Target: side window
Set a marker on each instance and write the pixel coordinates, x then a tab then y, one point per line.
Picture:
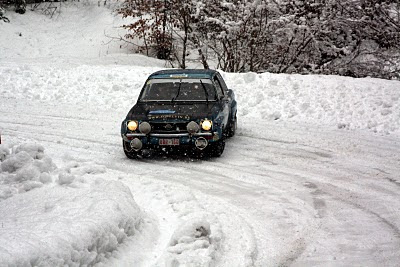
218	87
223	84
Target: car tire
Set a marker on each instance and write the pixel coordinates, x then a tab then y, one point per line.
130	154
216	149
232	127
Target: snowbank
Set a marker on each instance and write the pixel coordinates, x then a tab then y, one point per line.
54	217
191	244
23	168
341	102
108	87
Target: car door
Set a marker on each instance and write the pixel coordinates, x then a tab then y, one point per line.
224	101
231	97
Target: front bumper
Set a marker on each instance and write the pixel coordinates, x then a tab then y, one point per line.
184	138
160	135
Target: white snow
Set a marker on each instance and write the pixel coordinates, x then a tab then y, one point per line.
343	102
23	169
310	179
340	102
79	219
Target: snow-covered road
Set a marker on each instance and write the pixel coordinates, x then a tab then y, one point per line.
282	193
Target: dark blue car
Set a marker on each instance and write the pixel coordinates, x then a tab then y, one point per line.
189	109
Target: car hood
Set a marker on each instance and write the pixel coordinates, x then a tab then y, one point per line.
179	111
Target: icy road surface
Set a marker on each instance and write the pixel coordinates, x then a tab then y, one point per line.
281	194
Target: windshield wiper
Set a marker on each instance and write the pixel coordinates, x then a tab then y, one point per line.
179	91
205	90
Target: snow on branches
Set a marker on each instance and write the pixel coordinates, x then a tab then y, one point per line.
347	37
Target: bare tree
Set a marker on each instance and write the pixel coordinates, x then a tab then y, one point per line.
347	37
150	25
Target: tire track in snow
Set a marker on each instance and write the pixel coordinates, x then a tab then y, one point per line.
288	165
60	136
251	250
291	258
349	195
232	246
242	195
320	203
370	231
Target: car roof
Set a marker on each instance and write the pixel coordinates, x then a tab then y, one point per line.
183	73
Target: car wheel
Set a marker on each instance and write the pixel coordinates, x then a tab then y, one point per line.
232	127
129	153
216	149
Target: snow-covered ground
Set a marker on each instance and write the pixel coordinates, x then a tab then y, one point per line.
312	177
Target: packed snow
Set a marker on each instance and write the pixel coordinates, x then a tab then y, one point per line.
23	169
311	178
69	216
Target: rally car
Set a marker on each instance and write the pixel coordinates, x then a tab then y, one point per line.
190	109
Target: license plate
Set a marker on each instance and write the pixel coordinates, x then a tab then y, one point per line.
169	142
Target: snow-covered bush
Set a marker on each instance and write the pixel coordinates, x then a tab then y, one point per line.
19	5
2	14
354	38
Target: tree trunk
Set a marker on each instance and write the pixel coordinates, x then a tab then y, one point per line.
201	54
203	59
184	48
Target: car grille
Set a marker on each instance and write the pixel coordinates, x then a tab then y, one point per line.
164	127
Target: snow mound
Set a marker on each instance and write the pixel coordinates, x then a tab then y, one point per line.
23	168
97	86
341	102
191	244
196	237
73	217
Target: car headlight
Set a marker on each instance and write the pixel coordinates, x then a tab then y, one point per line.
145	127
132	125
192	127
206	125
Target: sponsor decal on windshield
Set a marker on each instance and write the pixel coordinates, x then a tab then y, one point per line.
177	76
169	116
162	111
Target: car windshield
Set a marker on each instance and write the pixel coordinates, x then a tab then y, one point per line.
178	90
